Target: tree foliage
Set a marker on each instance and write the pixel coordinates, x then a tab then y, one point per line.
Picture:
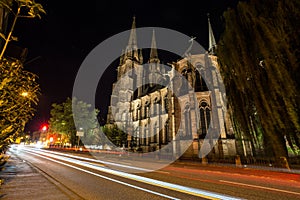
19	90
259	58
24	9
115	135
62	120
19	93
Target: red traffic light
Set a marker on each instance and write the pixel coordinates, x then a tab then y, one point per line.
44	127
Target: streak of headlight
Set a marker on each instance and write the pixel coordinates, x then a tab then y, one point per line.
171	186
99	161
107	178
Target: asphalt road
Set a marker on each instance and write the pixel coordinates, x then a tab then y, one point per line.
89	178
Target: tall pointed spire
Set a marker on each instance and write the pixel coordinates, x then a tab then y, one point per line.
153	52
122	57
131	51
132	38
212	42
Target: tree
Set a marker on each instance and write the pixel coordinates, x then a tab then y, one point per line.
259	58
24	9
19	90
62	120
19	93
115	135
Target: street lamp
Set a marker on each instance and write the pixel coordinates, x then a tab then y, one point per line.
79	134
24	94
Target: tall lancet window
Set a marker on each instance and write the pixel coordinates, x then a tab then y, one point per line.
138	112
184	82
187	121
155	132
155	107
166	102
146	135
200	85
205	118
167	136
147	111
136	115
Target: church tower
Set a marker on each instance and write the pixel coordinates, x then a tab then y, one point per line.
130	71
131	57
155	69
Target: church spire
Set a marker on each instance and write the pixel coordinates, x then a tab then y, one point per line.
153	53
131	51
132	38
212	41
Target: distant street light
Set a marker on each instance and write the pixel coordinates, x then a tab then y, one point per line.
24	94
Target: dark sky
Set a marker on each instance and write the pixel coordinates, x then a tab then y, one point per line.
59	42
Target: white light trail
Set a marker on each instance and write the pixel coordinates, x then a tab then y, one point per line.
260	187
107	178
99	161
157	183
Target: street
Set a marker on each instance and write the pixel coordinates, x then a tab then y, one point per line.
88	178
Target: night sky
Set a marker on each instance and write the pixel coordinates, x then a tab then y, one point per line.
59	42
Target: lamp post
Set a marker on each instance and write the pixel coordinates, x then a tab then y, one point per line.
79	134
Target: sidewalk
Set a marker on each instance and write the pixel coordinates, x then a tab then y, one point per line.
23	181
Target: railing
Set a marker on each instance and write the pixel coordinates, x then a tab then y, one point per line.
257	162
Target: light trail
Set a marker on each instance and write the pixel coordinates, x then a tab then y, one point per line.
98	161
157	183
104	177
260	187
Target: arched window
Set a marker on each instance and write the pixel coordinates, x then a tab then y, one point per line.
166	102
143	135
136	133
146	135
184	82
138	111
200	85
143	112
155	132
147	112
187	121
155	107
167	132
205	118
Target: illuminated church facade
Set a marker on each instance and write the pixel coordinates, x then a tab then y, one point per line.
152	114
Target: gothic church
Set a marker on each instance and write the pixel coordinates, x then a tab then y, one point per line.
194	117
